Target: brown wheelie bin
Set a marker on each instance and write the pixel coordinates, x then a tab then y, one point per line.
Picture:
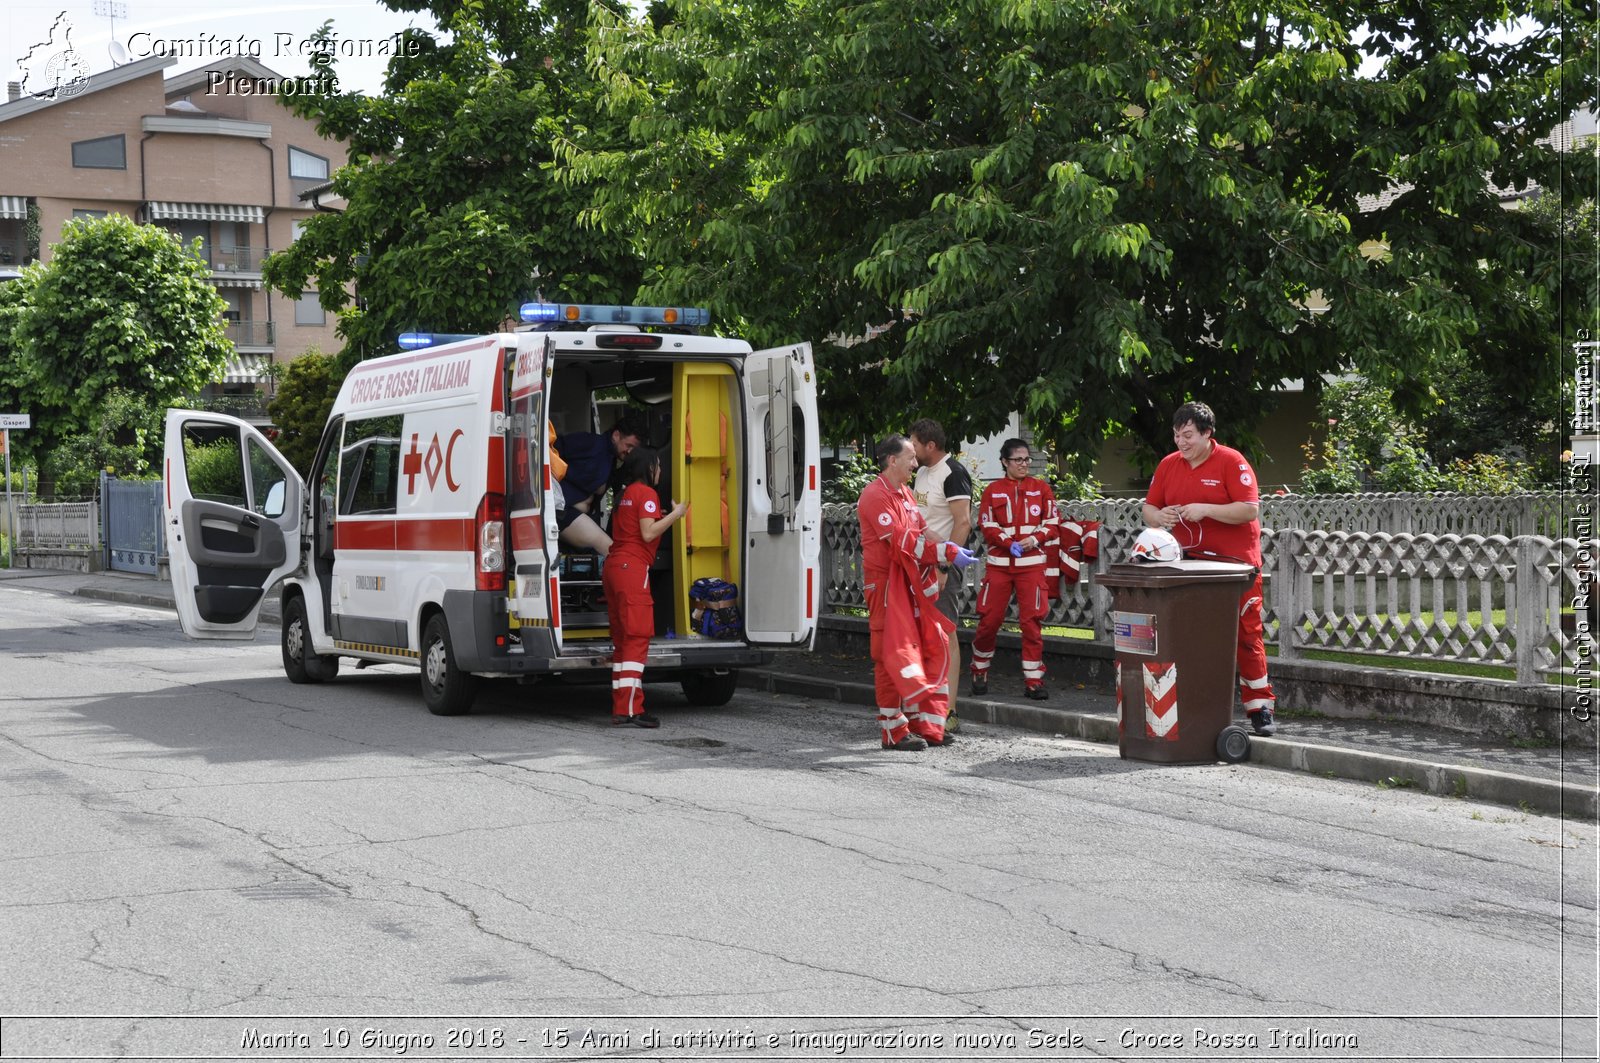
1175	632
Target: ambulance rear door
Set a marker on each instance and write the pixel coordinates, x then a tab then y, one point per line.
232	521
536	601
783	509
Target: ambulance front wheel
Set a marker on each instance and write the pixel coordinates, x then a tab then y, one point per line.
447	690
300	664
710	689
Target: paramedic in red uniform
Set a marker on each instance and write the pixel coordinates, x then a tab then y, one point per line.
1205	494
910	637
636	529
1017	515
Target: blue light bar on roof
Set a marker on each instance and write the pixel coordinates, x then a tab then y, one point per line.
596	314
414	341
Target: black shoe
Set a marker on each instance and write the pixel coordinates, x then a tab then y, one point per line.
910	744
642	719
1262	722
947	740
1036	692
980	684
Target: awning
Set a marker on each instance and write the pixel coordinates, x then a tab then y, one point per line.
246	369
163	211
13	206
235	280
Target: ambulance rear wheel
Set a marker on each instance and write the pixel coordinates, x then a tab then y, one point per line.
710	689
300	664
446	689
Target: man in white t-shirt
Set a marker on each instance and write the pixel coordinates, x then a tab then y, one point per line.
943	490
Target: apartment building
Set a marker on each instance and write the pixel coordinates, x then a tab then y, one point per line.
210	153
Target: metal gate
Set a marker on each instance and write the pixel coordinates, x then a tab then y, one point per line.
134	539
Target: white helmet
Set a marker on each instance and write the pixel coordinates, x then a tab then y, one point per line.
1154	544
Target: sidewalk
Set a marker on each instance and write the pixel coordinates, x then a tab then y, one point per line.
1447	763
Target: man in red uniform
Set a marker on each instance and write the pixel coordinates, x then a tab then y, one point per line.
1017	515
1205	494
910	636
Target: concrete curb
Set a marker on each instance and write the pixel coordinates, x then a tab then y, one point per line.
1359	765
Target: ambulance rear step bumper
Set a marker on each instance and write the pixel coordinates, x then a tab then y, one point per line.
662	660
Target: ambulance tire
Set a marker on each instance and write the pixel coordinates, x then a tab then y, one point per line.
710	689
446	689
300	664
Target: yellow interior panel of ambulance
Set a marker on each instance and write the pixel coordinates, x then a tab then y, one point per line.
692	415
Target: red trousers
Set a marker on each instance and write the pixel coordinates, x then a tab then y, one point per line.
1255	693
1033	601
632	612
906	706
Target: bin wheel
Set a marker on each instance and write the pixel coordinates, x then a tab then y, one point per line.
1233	744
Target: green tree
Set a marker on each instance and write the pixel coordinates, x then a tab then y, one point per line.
452	218
1369	444
306	391
119	307
1094	212
123	437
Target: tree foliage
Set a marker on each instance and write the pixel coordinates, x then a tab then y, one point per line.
453	218
306	391
119	308
1369	444
1094	212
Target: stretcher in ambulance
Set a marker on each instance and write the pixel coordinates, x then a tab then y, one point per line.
427	535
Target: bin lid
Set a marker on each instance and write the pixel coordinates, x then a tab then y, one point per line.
1174	573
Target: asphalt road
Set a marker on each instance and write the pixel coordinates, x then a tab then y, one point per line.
201	859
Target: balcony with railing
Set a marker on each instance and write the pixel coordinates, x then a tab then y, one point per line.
240	266
250	335
13	253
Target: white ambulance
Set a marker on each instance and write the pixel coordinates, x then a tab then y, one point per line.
427	533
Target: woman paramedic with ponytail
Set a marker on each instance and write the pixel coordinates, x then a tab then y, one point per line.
636	528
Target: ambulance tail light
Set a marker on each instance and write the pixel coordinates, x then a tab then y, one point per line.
490	527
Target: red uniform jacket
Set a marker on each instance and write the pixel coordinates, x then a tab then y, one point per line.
1015	509
899	565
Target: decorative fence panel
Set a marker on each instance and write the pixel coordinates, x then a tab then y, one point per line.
1471	599
59	524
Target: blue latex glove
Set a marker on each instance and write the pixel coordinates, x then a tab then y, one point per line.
962	557
1016	549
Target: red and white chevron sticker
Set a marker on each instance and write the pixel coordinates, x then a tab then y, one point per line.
1161	700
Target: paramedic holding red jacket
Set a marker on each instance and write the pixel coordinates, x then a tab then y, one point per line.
1206	495
900	573
1017	515
636	529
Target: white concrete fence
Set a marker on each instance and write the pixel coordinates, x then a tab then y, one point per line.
1471	580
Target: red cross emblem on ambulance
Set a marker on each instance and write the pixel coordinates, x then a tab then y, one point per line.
431	463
